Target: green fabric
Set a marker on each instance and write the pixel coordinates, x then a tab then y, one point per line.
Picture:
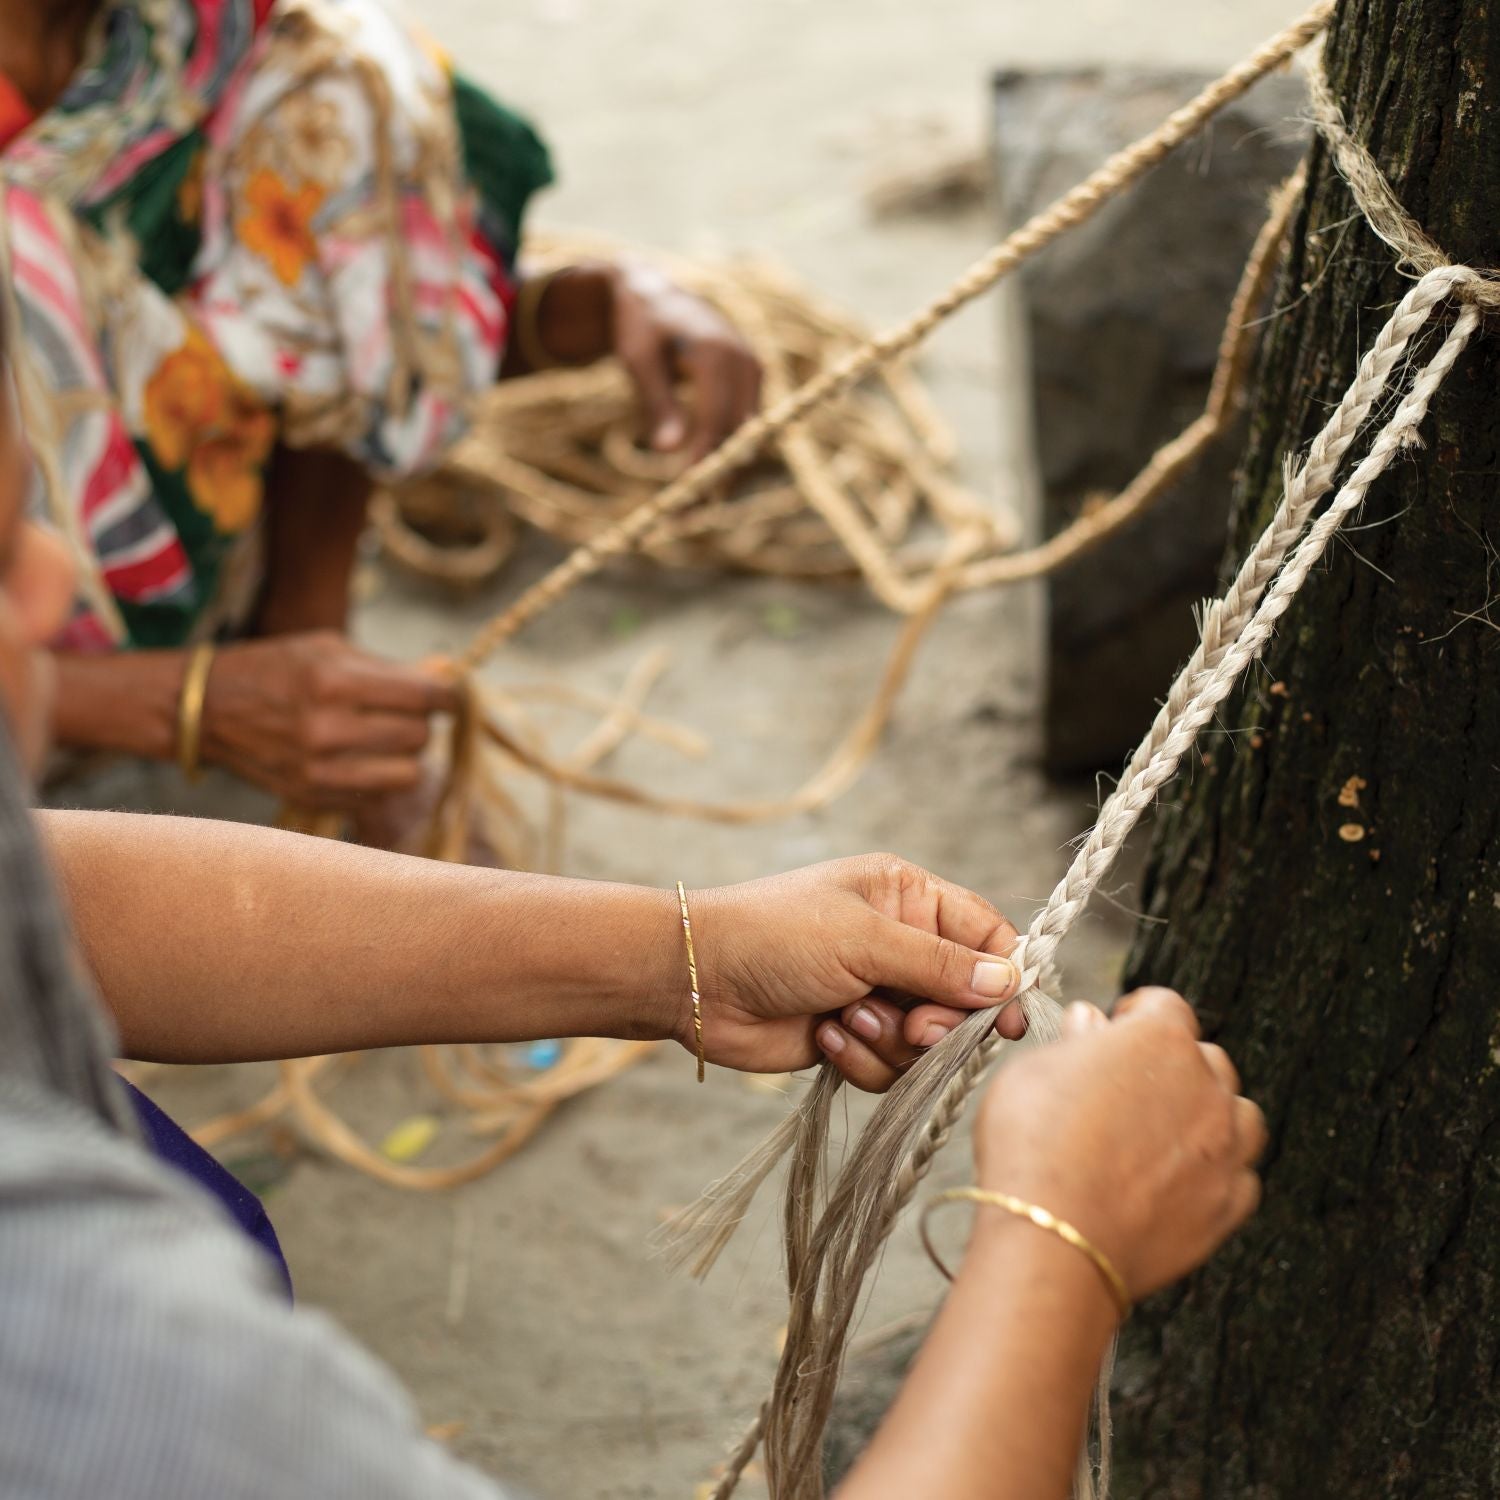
151	208
504	158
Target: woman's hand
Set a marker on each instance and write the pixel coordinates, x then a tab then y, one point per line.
666	337
791	967
696	378
319	722
1132	1130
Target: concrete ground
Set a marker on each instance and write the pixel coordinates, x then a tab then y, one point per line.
526	1308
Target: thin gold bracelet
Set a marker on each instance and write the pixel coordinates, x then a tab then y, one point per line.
692	958
1043	1219
190	710
525	323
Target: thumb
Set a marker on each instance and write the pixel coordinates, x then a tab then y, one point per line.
1080	1018
936	968
440	667
649	368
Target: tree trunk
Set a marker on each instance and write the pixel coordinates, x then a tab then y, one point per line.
1329	876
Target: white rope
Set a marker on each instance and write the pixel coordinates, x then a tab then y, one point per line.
1236	631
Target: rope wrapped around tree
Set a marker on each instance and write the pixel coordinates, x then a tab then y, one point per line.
833	1238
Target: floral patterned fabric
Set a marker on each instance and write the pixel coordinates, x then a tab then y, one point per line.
246	223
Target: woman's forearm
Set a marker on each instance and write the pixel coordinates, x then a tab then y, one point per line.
574	320
316	502
122	701
994	1408
216	942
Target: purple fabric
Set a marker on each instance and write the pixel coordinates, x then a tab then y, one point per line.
173	1144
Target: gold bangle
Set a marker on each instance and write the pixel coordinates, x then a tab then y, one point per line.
1043	1220
692	958
525	322
190	710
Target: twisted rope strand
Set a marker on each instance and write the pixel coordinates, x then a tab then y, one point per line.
1068	212
1416	251
868	1197
695	1237
1303	491
872	1188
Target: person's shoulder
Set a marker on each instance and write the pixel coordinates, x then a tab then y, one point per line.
338	95
147	1354
327	45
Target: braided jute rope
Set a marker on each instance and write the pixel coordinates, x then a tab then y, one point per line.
915	1121
1068	212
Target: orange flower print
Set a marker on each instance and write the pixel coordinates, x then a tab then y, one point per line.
184	397
190	191
200	418
276	223
226	474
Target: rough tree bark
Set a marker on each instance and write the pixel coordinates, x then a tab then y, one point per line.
1329	876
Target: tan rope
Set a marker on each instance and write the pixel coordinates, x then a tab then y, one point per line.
1071	210
469	785
914	1122
1417	252
841	495
1174	458
835	775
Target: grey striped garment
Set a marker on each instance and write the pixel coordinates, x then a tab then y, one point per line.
145	1351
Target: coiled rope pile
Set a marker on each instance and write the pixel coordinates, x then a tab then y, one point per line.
846	493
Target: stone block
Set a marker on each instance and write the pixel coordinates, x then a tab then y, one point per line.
1123	319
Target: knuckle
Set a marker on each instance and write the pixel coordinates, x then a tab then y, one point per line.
404	776
319	731
893	867
1222	1064
1217	1132
325	678
952	963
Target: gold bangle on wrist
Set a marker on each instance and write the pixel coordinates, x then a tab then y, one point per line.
692	958
1043	1219
190	710
525	322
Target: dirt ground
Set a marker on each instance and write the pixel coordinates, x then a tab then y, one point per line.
526	1307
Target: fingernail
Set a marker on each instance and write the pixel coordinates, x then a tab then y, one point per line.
669	433
994	977
866	1023
934	1034
831	1040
